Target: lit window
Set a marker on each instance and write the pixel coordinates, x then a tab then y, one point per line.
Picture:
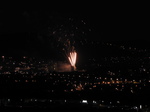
84	101
118	101
94	101
8	100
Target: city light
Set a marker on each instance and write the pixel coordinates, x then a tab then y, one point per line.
84	101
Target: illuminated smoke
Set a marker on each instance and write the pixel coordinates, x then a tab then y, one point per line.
72	59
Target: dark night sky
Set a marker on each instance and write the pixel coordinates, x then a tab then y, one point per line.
109	23
21	27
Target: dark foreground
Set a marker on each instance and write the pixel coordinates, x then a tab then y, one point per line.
66	108
76	91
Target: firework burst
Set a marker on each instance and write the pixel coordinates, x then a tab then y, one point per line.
72	59
63	33
70	53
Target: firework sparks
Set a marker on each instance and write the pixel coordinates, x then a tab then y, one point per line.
63	34
72	59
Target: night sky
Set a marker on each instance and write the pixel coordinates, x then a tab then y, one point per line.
87	57
28	30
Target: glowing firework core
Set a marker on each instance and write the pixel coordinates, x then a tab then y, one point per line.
72	58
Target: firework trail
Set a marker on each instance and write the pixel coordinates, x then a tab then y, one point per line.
72	58
70	53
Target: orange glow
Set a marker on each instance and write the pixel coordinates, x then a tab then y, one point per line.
108	82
